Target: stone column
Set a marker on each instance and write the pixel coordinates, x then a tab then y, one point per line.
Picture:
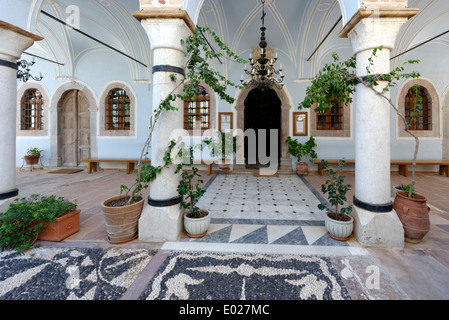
161	218
376	223
13	42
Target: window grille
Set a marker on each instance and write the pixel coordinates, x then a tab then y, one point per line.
118	110
332	119
421	102
197	111
32	111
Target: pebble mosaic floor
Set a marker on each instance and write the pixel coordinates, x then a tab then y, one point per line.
264	210
202	276
70	274
245	210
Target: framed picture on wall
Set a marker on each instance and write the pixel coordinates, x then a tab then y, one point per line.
300	122
225	121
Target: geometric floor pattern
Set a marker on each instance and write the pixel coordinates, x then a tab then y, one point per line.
203	276
246	209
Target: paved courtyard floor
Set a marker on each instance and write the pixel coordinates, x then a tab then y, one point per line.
267	241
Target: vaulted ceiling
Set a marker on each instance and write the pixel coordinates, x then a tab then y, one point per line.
108	21
294	29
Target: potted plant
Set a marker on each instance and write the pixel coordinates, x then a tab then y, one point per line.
196	220
413	211
223	146
122	218
130	202
411	207
403	187
299	151
338	221
32	156
336	83
37	217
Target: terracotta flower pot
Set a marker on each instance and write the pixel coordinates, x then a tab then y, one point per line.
31	160
414	215
223	165
122	221
62	227
302	168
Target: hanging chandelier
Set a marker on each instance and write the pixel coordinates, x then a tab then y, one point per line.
263	74
25	75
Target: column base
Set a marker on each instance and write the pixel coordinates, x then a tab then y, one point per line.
159	224
10	194
378	229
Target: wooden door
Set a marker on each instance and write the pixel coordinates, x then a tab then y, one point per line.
74	129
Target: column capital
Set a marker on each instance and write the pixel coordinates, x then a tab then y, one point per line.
165	13
376	13
14	41
371	29
166	28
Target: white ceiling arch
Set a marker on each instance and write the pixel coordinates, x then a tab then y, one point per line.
294	30
348	8
108	21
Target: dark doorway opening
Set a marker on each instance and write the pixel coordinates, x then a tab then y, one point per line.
262	114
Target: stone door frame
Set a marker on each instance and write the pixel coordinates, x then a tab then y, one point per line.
286	107
55	159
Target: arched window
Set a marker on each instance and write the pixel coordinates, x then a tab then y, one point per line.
197	112
32	110
418	102
118	110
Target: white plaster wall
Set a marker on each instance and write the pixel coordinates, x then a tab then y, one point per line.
95	70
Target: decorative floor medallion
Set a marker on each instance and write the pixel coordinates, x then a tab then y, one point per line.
201	276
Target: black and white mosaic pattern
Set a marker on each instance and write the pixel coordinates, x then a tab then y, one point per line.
280	210
202	276
243	196
69	274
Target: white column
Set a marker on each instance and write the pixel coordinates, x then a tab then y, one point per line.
161	218
13	42
376	223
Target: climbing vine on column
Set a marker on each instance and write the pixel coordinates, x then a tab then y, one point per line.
200	54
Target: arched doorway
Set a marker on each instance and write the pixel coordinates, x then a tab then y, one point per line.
263	117
74	142
285	126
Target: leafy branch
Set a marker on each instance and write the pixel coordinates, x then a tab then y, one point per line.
336	83
336	190
199	53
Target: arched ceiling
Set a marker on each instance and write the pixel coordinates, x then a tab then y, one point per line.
109	21
294	29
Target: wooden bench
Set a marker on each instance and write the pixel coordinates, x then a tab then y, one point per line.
329	161
93	164
402	164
